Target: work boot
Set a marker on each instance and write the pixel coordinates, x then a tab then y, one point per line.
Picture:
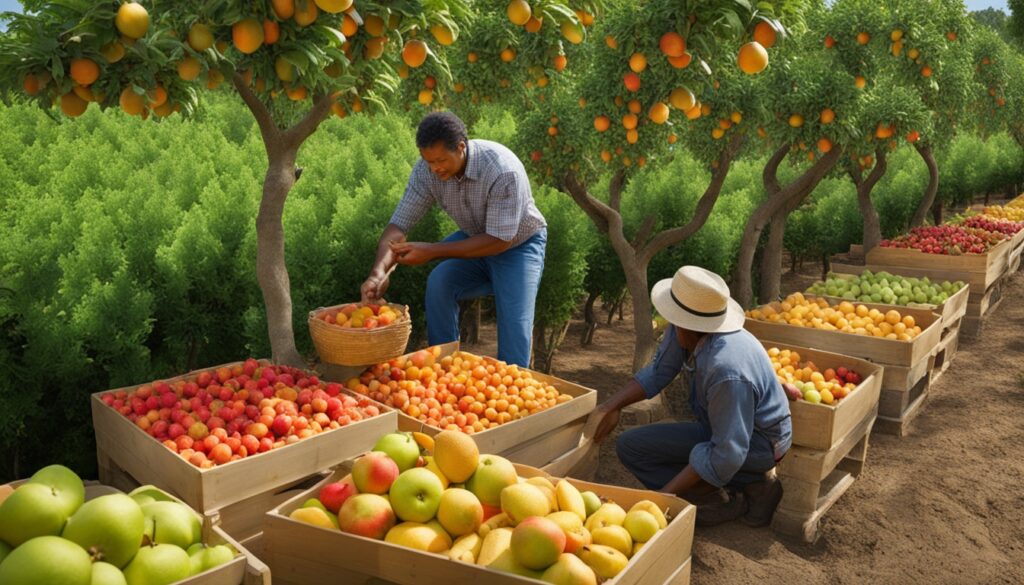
762	499
719	506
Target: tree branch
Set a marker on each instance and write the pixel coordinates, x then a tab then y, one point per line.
645	232
770	177
855	172
881	163
932	190
268	127
311	121
598	212
615	189
705	205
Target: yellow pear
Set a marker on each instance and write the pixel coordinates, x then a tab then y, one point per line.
641	525
457	455
431	464
570	499
497	542
500	520
314	516
609	514
548	489
576	536
522	500
429	537
636	548
616	537
604	560
655	511
569	570
466	548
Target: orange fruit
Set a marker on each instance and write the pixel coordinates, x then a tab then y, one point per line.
333	6
602	123
672	44
348	26
824	145
414	53
374	25
682	99
189	68
425	97
631	81
863	38
533	25
213	79
297	94
508	55
765	34
112	52
72	105
284	69
694	112
629	121
829	42
827	116
132	20
283	9
796	120
611	42
200	37
634	106
157	96
632	136
131	102
32	84
681	62
84	71
753	58
913	136
860	82
926	71
518	12
552	131
271	32
638	62
560	62
572	32
717	133
308	16
442	34
658	113
374	47
883	131
247	34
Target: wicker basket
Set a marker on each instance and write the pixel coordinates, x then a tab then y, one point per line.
360	347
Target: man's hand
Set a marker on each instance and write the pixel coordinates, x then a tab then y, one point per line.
412	253
375	286
606	418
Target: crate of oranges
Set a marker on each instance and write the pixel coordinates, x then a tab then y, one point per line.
879	333
527	416
360	334
830	394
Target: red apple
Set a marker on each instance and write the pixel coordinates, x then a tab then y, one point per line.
333	495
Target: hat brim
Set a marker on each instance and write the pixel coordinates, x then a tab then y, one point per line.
731	320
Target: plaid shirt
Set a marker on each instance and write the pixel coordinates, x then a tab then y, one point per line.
492	197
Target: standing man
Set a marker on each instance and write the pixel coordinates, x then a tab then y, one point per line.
499	248
725	461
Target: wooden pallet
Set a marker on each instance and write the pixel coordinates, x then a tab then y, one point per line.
814	480
978	312
911	404
945	352
979	270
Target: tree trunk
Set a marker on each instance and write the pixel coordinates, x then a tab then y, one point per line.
589	320
872	223
929	193
937	212
771	260
778	198
613	308
643	328
826	266
545	345
794	260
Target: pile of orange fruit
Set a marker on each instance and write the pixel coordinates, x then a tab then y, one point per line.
461	391
355	316
846	317
814	385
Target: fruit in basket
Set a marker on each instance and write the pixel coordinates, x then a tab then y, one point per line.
493	474
416	495
576	536
1007	212
374	473
994	224
457	392
370	316
818	313
315	516
547	488
522	500
32	511
616	537
651	508
606	561
609	514
430	463
887	288
219	416
537	542
641	525
171	523
46	560
109	527
569	569
592	502
953	240
456	455
803	380
202	558
366	515
460	512
158	565
333	495
429	537
570	499
66	485
401	448
106	574
466	548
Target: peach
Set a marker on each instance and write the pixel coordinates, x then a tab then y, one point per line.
368	515
374	473
537	542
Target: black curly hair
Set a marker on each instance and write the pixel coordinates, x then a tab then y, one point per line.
444	127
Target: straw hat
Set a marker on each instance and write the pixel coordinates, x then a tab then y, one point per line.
698	300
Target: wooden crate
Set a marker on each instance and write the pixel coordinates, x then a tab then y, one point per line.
945	352
951	311
122	444
877	349
897	410
580	462
532	440
813	481
244	569
980	308
682	576
820	426
979	270
301	554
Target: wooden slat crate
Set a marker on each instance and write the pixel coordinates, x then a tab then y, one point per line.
820	426
903	407
945	352
979	270
299	553
123	446
532	440
814	480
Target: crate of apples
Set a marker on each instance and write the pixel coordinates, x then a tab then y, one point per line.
952	240
803	380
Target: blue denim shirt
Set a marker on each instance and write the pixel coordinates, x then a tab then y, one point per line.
733	393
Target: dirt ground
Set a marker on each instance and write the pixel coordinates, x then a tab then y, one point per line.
942	505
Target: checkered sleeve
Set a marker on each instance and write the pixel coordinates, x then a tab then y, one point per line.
506	205
415	202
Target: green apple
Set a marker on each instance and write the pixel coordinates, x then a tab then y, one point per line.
202	558
416	495
107	574
68	487
401	448
162	564
493	474
109	528
591	501
47	560
32	510
5	549
171	523
143	499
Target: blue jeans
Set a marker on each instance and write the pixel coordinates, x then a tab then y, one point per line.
657	453
513	277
